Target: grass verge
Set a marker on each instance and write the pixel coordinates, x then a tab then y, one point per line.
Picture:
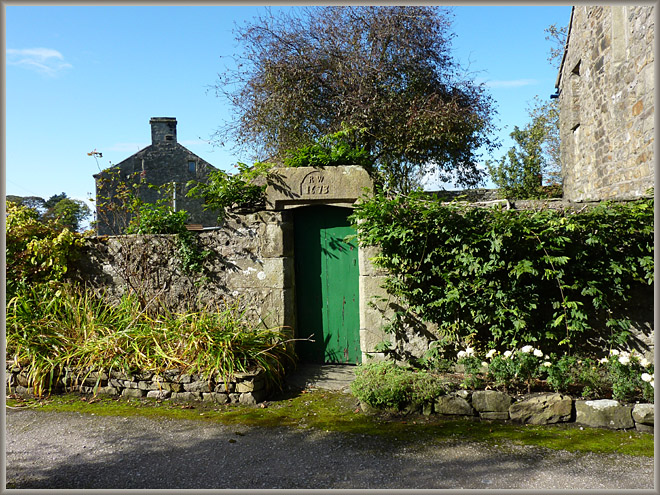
337	412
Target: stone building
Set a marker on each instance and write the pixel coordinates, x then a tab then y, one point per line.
606	99
165	161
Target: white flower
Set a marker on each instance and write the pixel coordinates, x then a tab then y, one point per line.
547	364
507	354
644	362
484	363
490	354
603	360
623	359
614	352
469	351
652	383
538	353
646	377
461	354
527	348
546	357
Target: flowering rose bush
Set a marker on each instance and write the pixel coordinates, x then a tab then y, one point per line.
626	373
629	374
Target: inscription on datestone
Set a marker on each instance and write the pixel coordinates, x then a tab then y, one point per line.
314	184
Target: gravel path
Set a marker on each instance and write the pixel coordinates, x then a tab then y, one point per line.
73	450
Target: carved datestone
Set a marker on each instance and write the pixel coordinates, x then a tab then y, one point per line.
291	187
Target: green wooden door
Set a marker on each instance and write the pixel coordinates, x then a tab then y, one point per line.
326	286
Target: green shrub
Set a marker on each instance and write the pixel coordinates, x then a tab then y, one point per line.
502	371
562	372
339	148
37	252
158	219
386	385
625	370
591	377
471	368
240	190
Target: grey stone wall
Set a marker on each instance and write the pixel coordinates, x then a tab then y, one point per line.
606	98
536	409
249	262
244	388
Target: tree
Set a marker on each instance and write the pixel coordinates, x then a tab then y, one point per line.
545	115
68	213
34	202
556	36
305	73
518	173
534	160
58	208
54	199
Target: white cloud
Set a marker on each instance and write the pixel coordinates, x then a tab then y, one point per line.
43	60
514	83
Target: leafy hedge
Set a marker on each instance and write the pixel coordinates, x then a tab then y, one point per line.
500	277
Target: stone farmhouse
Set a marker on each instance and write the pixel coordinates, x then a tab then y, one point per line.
606	89
165	161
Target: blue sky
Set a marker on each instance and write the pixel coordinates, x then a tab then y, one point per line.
80	78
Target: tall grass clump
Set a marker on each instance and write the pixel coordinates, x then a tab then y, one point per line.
49	329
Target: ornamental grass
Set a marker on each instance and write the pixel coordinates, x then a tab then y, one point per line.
50	329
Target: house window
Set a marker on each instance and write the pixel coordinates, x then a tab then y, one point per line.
192	167
169	137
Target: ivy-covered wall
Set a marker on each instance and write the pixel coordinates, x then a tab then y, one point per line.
569	276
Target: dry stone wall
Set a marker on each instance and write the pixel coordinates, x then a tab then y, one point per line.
243	388
537	409
606	97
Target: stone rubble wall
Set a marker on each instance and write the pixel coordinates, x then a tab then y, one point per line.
606	99
249	263
538	409
244	388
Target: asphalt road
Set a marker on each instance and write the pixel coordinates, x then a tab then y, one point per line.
58	450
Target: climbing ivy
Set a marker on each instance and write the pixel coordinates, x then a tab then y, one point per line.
501	277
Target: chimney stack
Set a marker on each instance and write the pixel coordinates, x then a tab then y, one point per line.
163	130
